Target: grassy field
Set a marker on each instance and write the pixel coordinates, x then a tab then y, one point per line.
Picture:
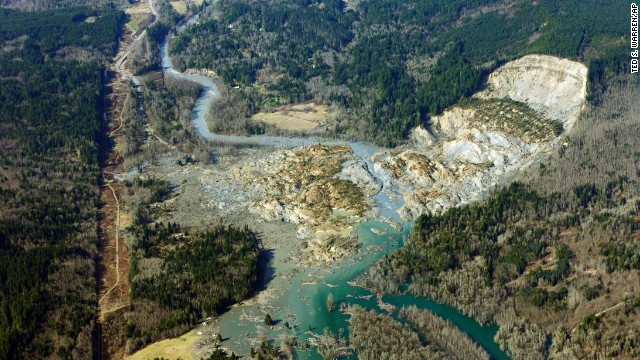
141	8
176	348
297	118
135	20
179	6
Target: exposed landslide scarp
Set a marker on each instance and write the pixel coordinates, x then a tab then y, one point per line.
483	141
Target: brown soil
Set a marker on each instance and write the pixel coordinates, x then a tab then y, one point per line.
113	328
113	264
114	286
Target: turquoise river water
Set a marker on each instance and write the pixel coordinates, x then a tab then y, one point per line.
318	317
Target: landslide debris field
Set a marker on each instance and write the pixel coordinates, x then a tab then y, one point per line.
305	202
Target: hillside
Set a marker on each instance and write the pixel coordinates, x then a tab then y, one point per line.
488	138
497	183
39	5
386	66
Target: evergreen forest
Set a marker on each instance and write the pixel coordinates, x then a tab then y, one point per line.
51	83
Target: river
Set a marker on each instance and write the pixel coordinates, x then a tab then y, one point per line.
390	240
301	299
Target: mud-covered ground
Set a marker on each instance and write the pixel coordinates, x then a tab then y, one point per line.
292	198
205	195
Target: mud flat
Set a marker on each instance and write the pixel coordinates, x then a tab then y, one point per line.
206	195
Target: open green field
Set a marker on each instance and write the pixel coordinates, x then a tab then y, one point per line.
179	6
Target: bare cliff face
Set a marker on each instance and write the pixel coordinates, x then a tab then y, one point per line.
486	140
555	87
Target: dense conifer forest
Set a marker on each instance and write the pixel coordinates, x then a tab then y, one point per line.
51	81
39	5
180	277
391	65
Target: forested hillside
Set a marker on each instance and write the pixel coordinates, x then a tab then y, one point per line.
50	93
421	335
390	65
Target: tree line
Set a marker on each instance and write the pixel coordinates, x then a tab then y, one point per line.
532	256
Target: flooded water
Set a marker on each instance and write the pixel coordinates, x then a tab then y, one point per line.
317	316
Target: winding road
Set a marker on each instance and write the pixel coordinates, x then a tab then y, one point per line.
361	150
127	52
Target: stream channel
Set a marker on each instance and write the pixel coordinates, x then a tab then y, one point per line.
300	297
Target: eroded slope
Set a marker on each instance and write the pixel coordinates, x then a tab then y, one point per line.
485	140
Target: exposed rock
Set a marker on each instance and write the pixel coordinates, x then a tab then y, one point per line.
309	186
306	186
421	137
484	141
553	86
470	148
465	151
358	173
